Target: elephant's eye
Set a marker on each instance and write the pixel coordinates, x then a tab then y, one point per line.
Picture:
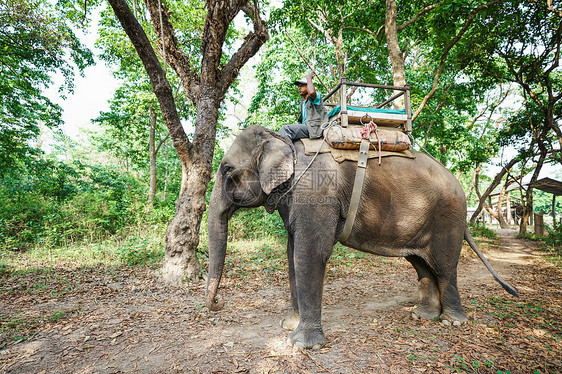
226	168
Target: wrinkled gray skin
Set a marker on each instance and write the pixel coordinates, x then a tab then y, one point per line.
411	208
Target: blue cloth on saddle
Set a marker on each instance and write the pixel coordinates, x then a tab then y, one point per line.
337	109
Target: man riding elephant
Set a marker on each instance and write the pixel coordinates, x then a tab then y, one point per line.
312	113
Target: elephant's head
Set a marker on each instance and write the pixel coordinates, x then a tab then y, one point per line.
258	161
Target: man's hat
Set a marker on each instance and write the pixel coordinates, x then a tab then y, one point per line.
301	82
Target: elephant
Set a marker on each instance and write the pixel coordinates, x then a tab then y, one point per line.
411	208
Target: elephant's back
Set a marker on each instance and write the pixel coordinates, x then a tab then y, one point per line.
419	181
396	178
404	202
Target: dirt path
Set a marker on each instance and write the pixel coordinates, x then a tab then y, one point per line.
122	321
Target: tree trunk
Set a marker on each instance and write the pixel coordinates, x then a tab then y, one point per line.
182	237
501	220
394	51
490	189
527	202
152	151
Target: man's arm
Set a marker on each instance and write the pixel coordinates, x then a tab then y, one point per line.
310	86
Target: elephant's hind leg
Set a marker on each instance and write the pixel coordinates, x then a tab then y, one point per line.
453	312
443	259
429	304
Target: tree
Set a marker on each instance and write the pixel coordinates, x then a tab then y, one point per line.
386	42
36	41
134	131
205	82
523	47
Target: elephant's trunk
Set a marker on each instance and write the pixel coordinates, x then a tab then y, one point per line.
218	232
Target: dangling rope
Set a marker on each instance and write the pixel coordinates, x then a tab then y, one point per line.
162	35
366	131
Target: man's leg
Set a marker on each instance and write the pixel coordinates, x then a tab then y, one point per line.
294	132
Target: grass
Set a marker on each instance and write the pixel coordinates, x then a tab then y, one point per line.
483	232
263	258
137	247
22	325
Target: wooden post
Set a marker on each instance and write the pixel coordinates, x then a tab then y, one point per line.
539	225
343	102
553	210
408	109
491	207
508	202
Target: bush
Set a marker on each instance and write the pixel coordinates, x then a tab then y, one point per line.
255	223
137	251
554	238
482	231
54	203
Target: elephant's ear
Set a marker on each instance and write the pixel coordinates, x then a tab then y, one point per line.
276	163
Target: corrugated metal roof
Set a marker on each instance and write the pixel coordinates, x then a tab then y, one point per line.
545	184
549	185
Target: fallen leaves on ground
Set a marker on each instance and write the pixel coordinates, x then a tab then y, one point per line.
122	320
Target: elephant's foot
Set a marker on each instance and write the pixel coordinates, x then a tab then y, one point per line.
454	318
290	322
425	312
307	338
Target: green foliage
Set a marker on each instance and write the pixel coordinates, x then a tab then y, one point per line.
482	231
464	366
255	223
542	201
554	238
138	251
54	203
35	43
449	127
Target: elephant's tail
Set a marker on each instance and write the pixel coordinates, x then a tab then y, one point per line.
509	288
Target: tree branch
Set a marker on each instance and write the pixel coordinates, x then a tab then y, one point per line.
161	142
336	41
252	43
549	7
174	56
160	85
494	184
220	14
372	33
435	85
488	107
420	13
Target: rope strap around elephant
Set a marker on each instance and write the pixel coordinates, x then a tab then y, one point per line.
357	190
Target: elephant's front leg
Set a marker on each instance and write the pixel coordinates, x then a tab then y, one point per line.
291	321
311	253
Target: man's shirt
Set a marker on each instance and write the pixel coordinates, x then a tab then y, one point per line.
316	101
